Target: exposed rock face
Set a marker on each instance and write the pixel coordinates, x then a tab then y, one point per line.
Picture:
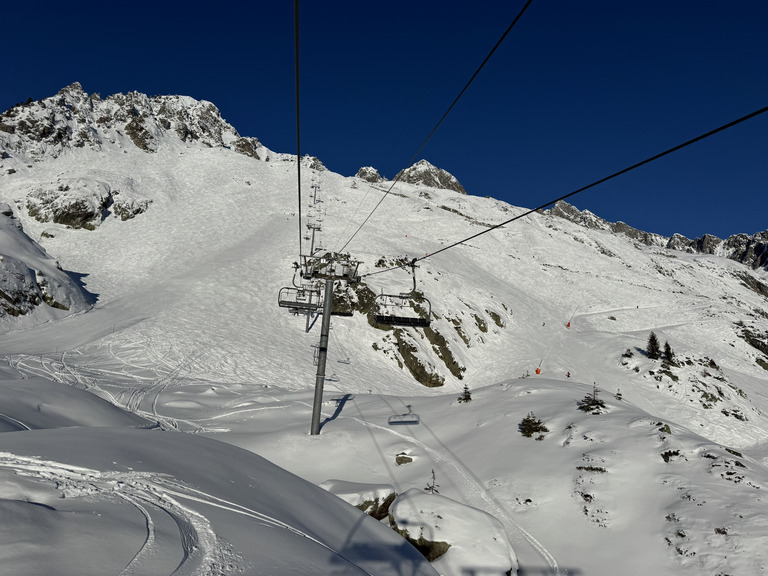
74	119
707	244
581	217
749	250
679	242
247	147
81	202
18	292
313	162
426	174
77	203
31	280
370	174
589	220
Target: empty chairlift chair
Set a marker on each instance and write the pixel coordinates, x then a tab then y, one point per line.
407	309
404	309
299	299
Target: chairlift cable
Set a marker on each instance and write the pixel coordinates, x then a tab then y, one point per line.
298	130
423	97
463	90
588	186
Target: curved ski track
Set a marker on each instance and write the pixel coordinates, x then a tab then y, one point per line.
203	552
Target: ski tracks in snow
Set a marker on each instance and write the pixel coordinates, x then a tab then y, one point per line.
62	371
475	494
201	550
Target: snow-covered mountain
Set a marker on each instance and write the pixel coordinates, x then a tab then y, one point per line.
750	250
425	174
166	237
369	174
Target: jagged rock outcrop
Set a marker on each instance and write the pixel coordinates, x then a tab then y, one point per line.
583	218
426	174
589	220
81	202
313	162
370	174
749	250
679	242
75	119
30	280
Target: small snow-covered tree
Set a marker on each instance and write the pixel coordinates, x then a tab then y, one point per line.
466	395
653	349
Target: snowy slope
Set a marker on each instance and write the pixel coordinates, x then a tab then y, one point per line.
186	334
129	501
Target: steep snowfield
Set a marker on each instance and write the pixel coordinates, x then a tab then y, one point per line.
185	334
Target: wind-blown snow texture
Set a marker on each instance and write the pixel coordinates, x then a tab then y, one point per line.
165	236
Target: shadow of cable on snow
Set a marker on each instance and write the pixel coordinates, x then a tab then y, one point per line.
384	460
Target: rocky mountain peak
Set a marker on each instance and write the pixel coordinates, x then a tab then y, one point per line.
370	174
749	250
74	119
424	173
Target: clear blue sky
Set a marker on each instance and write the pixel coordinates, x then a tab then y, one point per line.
577	91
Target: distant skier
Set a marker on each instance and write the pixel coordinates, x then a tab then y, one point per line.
569	374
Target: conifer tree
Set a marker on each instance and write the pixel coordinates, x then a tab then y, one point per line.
531	425
591	403
669	355
653	350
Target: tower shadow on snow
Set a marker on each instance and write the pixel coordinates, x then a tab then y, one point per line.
340	402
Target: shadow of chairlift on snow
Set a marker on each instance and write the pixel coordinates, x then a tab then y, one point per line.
340	401
402	419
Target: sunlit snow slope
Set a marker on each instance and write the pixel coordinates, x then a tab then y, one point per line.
178	326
